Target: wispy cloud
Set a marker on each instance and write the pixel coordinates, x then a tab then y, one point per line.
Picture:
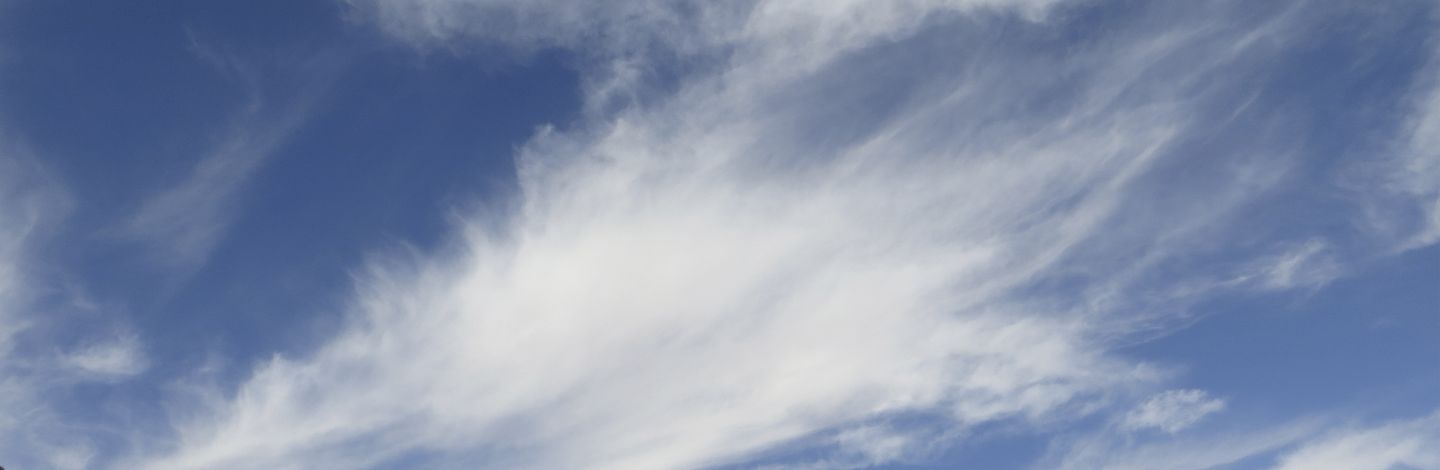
779	233
792	242
1410	443
1110	450
1416	172
1398	187
30	206
1172	410
118	356
1309	264
1320	443
785	249
180	225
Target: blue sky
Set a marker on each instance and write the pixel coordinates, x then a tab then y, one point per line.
982	234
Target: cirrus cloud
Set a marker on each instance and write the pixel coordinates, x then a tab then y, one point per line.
793	241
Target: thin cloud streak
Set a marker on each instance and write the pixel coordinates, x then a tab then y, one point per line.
180	225
1315	442
1111	450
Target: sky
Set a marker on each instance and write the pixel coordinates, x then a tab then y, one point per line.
749	234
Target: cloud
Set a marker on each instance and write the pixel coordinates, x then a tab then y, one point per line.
31	433
721	273
1406	212
29	206
868	446
1318	443
875	445
690	27
1418	169
181	224
117	357
624	39
1109	450
1411	443
792	243
1172	410
1309	265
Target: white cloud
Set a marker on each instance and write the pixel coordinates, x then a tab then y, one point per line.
870	445
763	254
1409	172
1110	450
1315	443
117	357
1305	265
1411	443
874	445
625	38
1172	410
1310	443
69	458
1418	170
686	26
